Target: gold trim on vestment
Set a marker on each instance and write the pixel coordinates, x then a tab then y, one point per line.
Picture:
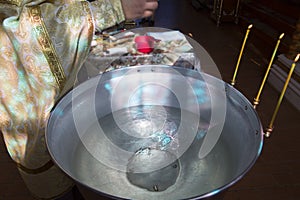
47	47
89	19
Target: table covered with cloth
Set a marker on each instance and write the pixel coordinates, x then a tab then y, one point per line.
109	52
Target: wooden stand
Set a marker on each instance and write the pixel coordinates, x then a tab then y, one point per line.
226	10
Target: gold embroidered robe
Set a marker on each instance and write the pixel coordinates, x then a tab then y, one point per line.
43	44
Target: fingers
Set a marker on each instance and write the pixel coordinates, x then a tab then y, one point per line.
148	13
151	5
134	9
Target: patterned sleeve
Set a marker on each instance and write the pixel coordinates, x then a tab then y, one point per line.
43	44
107	13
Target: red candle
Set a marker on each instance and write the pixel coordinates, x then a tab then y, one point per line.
144	43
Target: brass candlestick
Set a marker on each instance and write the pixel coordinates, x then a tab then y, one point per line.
240	56
256	100
271	125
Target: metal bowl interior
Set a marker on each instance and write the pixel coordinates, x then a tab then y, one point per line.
154	132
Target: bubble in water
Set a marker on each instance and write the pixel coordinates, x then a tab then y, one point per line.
153	169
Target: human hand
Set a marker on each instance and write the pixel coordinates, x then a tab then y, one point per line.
134	9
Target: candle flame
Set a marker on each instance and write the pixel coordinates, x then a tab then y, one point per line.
297	58
281	36
250	26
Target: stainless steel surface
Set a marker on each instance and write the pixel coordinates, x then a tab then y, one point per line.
155	132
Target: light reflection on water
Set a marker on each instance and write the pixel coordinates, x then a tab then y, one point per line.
159	128
154	126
